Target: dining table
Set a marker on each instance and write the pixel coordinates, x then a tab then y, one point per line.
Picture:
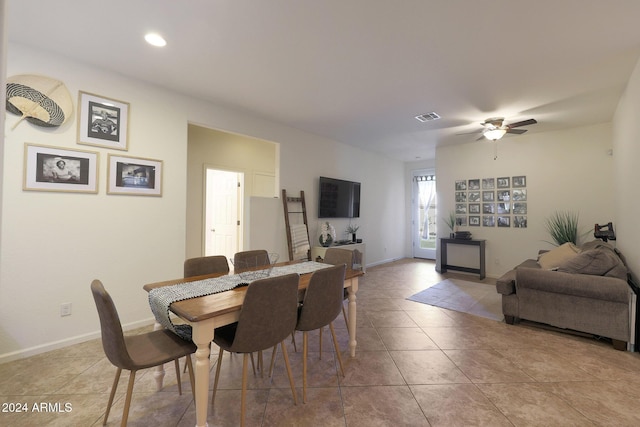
206	313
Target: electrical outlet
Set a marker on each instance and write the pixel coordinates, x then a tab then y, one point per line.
65	309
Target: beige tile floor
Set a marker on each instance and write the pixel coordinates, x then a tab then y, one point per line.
416	365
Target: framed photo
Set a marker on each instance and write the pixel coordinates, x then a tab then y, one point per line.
461	185
474	208
503	182
461	221
103	122
57	169
461	209
520	195
461	196
474	196
488	208
519	221
504	221
488	221
474	221
474	184
504	195
519	181
504	208
133	175
488	183
520	208
488	196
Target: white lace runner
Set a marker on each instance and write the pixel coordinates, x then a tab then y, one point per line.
160	299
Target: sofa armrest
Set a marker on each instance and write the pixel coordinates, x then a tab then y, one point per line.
506	284
581	285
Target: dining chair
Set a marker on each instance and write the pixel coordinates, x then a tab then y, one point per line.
206	265
337	256
136	352
320	307
199	266
268	315
245	260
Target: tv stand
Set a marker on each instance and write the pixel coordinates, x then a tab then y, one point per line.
318	252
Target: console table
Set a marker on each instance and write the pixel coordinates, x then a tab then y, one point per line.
444	266
319	251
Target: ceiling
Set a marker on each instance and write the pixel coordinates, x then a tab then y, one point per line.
359	71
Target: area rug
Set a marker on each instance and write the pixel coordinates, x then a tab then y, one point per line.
479	299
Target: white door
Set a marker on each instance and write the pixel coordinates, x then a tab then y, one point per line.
424	214
223	209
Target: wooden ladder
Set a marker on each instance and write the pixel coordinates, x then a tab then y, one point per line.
294	206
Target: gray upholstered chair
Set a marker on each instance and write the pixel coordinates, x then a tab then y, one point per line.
320	307
245	260
206	265
135	352
268	315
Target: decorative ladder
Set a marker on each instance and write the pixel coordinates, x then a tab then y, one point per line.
295	206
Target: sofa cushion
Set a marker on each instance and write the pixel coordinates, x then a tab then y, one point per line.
602	261
552	259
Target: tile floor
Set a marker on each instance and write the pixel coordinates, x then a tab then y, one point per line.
416	365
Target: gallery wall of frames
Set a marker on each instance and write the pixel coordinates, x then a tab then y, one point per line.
491	202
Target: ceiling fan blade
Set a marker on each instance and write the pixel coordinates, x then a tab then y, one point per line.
470	133
523	123
480	137
516	131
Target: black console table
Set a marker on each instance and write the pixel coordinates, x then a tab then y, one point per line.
443	256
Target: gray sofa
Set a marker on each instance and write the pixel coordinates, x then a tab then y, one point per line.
578	288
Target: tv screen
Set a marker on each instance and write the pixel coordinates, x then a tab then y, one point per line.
338	198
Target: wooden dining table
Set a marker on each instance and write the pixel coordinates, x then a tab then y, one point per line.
206	313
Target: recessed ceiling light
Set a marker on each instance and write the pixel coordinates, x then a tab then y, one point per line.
428	117
155	39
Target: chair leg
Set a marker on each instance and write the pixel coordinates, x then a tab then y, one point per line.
335	346
112	395
177	363
127	402
215	382
305	353
293	340
273	359
192	379
253	365
289	373
344	313
243	399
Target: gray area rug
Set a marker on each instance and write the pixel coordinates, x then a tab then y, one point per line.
479	299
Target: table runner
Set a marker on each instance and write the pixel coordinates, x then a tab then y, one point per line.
160	299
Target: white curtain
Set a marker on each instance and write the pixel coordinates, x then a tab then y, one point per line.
427	192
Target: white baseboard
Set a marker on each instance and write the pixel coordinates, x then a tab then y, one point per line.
55	345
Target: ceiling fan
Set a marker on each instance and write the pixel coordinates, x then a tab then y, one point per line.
495	128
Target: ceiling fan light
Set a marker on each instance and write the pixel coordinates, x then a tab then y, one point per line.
494	134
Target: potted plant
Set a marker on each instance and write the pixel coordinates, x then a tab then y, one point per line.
563	227
450	221
351	229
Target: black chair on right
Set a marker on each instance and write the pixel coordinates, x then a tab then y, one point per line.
268	315
320	307
206	265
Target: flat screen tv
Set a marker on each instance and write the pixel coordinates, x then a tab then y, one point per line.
338	198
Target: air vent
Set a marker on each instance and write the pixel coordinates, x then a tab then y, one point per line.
428	117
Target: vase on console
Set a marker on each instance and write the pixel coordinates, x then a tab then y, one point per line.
327	234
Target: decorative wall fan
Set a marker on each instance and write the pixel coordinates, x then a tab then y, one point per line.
495	128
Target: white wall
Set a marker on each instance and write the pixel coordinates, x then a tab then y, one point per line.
626	153
225	151
53	244
565	170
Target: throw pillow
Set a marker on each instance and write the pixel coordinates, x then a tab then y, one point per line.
597	262
552	259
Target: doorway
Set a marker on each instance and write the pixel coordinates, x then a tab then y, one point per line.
224	193
424	212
